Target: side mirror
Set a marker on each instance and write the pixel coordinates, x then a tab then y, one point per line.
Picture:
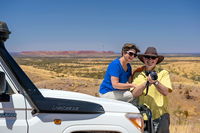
2	83
3	96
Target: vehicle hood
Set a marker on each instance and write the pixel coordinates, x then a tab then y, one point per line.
109	105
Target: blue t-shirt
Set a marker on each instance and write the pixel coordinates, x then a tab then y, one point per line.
114	69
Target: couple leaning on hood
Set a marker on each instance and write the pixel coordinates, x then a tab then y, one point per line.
121	83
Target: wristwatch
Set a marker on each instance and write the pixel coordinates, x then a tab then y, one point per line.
156	83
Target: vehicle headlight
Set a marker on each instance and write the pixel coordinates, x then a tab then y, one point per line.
137	120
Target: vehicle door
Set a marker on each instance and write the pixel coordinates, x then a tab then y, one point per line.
12	104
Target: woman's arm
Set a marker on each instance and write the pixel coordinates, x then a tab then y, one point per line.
117	85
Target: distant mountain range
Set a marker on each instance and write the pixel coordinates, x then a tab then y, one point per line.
62	53
88	53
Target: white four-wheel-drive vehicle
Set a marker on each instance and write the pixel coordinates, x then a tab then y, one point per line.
27	109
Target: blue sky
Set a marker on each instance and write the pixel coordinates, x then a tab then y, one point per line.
172	26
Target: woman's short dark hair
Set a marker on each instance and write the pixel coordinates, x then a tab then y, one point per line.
129	46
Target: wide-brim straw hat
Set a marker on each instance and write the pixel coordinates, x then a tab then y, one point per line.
151	51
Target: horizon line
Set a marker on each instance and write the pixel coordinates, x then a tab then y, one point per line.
98	51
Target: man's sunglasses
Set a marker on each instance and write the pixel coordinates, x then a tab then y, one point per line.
150	57
131	54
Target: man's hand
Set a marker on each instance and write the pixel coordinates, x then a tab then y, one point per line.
151	81
159	86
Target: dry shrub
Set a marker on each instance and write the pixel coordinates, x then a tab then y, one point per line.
188	127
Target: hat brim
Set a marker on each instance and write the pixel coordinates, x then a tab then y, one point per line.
160	57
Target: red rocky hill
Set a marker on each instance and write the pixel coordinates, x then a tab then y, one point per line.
65	53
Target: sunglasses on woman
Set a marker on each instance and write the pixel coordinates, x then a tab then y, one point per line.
131	53
150	57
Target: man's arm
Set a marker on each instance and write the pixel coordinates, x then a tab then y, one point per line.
164	85
138	90
161	88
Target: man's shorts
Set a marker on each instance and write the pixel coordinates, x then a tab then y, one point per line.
161	125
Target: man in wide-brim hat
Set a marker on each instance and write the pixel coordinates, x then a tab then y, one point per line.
156	96
151	52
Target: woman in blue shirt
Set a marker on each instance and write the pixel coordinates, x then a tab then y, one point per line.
118	77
